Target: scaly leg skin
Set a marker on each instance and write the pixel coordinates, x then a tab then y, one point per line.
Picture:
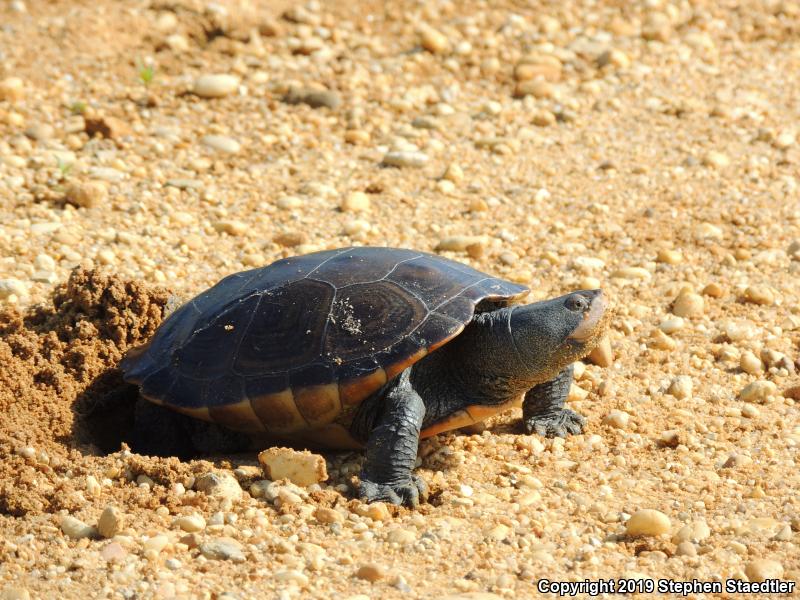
392	450
543	409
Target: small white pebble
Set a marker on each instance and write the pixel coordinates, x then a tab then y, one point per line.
617	419
647	521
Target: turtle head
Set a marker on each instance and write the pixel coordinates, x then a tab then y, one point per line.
550	335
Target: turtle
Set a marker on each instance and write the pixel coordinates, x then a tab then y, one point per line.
371	348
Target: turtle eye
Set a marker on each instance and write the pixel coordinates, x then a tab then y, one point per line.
577	303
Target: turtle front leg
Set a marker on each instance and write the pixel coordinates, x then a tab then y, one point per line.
392	449
543	409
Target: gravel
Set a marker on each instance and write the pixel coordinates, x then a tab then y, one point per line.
223	548
215	85
647	522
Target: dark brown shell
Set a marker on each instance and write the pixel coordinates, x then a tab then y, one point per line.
289	346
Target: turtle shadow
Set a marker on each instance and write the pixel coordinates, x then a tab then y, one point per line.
104	414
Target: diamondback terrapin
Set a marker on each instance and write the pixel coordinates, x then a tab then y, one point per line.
361	347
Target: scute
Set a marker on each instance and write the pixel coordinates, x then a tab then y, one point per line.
285	329
286	347
370	317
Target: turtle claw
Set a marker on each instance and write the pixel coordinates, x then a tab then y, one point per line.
409	493
561	424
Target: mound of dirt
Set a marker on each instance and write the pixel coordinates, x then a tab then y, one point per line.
56	363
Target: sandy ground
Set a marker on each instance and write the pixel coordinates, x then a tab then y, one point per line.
650	148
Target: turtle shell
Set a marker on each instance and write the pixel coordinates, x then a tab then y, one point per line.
292	346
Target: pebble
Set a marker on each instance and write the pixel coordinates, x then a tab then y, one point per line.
576	393
356	227
680	387
154	545
41	132
107	127
716	160
12	88
670	438
302	468
191	523
86	194
685	549
543	118
288	497
401	536
289	239
223	548
615	58
371	572
737	331
538	88
231	227
111	522
587	264
498	533
672	325
44	262
714	290
315	98
670	257
292	576
12	287
376	511
639	273
356	136
695	532
762	569
647	521
759	294
784	140
460	243
221	143
750	411
183	183
76	529
113	551
758	391
688	304
434	41
215	85
177	42
106	256
14	593
617	419
288	202
219	485
405	158
602	355
538	66
327	515
709	231
455	174
750	363
355	202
